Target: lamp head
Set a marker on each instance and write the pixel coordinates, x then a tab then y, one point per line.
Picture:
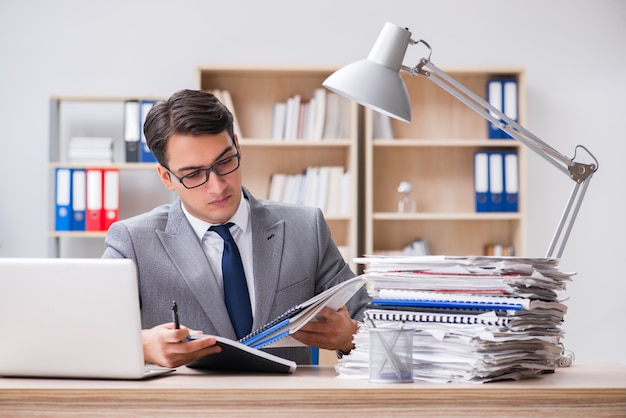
375	82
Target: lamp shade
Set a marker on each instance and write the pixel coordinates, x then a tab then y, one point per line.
375	82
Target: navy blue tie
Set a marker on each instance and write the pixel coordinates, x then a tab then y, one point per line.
235	288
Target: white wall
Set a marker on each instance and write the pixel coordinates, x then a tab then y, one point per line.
573	51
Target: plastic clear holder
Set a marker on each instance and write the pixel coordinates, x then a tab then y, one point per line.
391	355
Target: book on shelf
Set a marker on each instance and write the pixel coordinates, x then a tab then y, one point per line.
90	150
323	116
226	98
292	117
245	354
279	116
419	247
326	187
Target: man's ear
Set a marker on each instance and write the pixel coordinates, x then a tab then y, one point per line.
236	139
165	177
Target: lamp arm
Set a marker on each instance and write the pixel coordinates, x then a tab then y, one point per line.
580	173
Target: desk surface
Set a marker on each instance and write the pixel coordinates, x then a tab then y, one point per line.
581	390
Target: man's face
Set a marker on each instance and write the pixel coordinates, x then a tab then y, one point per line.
216	200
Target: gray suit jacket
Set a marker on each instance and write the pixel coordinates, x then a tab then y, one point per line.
294	259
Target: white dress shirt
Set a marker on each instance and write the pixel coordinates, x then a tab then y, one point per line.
213	244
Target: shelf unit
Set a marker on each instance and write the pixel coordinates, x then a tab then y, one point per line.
140	187
254	92
435	153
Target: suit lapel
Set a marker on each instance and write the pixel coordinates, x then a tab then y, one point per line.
267	245
181	244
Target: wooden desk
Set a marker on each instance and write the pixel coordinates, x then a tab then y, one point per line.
584	390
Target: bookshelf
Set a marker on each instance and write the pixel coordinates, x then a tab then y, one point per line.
254	92
139	186
435	154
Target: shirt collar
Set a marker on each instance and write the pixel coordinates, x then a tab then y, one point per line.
240	218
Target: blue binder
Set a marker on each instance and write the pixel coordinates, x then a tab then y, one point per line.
495	98
481	181
496	182
63	199
451	304
145	155
511	181
79	198
502	94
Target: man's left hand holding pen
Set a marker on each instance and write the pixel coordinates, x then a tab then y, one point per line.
168	344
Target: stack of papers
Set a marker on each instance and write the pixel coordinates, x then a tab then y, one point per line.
90	150
475	319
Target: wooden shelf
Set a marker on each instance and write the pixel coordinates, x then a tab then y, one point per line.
435	154
254	92
140	188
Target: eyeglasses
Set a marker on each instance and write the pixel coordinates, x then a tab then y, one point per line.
199	177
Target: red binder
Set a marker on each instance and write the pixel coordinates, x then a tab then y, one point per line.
111	197
94	221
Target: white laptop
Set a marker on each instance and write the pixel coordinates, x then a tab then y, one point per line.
71	318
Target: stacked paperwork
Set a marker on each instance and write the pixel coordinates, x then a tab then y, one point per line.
475	319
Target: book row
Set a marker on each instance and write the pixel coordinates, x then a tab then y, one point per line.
326	187
324	116
86	199
496	181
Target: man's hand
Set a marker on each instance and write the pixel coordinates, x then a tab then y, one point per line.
163	345
331	330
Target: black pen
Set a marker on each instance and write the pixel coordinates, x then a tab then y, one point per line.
175	319
175	315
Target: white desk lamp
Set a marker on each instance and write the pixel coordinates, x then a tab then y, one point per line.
375	82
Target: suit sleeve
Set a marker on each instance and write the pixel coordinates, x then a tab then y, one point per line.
333	269
118	242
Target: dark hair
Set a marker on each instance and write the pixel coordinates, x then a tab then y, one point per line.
186	112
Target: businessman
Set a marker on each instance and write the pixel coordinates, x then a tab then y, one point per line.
286	251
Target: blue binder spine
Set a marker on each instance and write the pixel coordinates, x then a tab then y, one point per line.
509	102
495	99
79	198
454	304
145	155
481	181
63	199
511	181
496	182
502	93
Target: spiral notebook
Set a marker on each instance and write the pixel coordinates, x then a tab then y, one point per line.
486	318
277	333
243	355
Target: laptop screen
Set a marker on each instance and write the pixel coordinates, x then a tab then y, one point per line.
70	318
